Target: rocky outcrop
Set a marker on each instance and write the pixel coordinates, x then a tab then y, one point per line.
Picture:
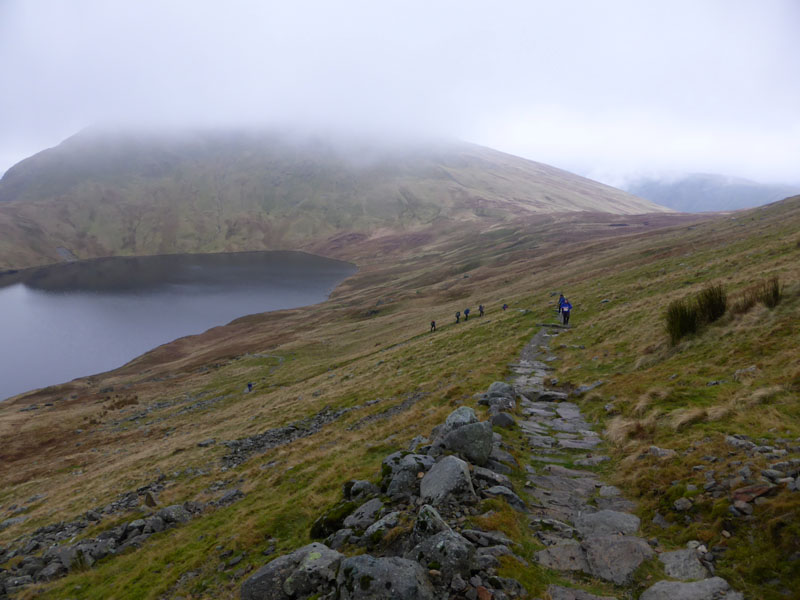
413	532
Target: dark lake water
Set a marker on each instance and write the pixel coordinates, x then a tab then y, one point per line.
77	319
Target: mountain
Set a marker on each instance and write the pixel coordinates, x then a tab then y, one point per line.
111	193
703	192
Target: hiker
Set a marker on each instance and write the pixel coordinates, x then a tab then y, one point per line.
466	314
433	325
480	310
505	306
561	301
458	317
565	308
249	386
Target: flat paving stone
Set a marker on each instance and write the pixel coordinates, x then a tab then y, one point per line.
557	592
563	557
606	522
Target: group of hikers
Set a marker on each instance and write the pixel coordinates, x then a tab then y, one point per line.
564	308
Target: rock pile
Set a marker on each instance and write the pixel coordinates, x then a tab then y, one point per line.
412	525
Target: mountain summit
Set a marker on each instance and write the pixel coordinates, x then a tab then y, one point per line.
101	193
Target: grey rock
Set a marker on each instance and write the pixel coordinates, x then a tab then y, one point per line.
14	584
52	571
154	524
505	420
490	477
375	531
428	522
174	514
606	522
501	388
463	415
207	443
557	592
449	478
472	441
502	456
390	578
661	452
447	552
683	564
406	470
487	538
362	489
682	504
609	491
338	539
12	521
714	588
660	521
230	497
739	443
743	507
552	396
615	558
567	556
591	461
300	573
364	516
500	491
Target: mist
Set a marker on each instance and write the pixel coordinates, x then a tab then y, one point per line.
609	90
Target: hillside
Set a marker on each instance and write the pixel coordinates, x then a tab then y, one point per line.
104	194
705	192
341	385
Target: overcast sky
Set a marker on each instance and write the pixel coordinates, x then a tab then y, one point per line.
605	88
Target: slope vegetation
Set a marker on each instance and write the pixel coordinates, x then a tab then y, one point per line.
341	385
103	194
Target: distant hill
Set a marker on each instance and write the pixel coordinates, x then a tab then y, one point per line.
101	193
703	192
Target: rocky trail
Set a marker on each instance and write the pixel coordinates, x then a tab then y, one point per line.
414	534
417	534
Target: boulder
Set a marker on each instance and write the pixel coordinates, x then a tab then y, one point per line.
683	564
615	558
364	516
714	588
472	441
299	574
174	514
447	552
500	388
606	522
365	577
52	571
449	478
461	416
405	474
505	420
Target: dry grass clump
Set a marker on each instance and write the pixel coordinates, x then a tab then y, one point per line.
768	292
645	400
686	416
622	430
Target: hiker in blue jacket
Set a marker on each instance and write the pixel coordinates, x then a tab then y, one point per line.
561	301
565	308
466	314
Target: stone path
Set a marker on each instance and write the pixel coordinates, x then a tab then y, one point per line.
588	526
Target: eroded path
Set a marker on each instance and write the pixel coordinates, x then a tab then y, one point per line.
588	528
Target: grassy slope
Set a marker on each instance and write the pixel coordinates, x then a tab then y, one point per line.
340	354
101	195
